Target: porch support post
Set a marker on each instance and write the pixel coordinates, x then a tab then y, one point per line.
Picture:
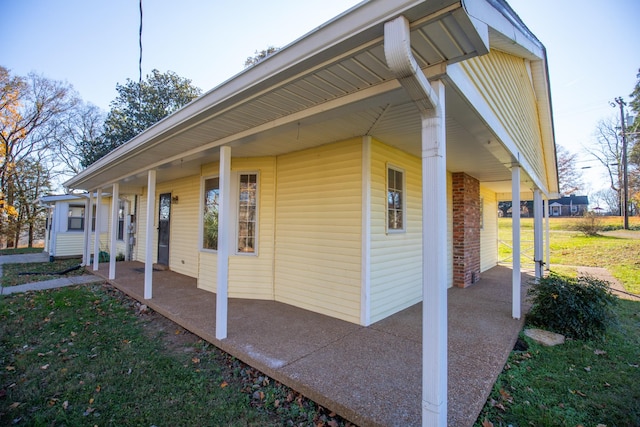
224	217
546	239
434	265
149	232
537	233
86	230
113	232
96	238
515	226
429	99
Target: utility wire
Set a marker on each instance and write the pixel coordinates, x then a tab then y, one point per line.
140	43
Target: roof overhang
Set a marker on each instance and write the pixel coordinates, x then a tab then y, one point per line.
332	84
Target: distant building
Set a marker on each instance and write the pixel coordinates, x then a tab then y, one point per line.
569	206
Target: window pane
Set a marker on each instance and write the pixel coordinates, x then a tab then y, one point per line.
395	206
247	207
210	214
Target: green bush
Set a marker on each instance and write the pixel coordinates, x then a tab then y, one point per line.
577	307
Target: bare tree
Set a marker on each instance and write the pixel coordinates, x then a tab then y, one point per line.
569	175
607	149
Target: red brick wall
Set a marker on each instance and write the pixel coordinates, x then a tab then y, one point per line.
466	230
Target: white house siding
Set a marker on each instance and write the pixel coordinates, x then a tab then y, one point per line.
506	86
318	229
489	231
396	258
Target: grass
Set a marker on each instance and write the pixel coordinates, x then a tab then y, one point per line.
580	383
43	271
19	251
586	383
90	356
569	248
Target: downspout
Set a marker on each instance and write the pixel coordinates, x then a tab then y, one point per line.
430	102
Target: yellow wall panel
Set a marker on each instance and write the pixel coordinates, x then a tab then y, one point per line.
489	231
396	258
318	229
506	86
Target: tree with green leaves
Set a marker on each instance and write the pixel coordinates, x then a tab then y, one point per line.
138	106
633	136
259	56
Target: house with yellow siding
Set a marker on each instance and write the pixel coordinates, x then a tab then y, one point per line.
353	173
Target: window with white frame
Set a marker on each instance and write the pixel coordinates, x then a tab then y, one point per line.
247	212
395	199
75	221
210	214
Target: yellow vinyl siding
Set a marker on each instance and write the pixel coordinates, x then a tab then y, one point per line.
505	84
318	226
250	276
183	237
141	228
69	244
396	258
449	229
489	232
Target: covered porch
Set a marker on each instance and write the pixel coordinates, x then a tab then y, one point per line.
369	375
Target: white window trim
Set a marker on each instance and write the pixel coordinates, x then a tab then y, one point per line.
386	199
235	208
201	215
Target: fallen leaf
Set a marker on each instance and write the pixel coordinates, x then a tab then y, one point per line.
88	411
65	405
98	388
73	334
587	368
506	396
333	423
11	368
40	354
14	405
606	384
487	423
224	384
91	401
579	393
195	359
45	367
599	352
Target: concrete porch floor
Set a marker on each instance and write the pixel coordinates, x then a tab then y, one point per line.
369	375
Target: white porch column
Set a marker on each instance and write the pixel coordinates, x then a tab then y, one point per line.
149	233
434	265
113	232
86	231
224	217
546	239
537	233
96	238
515	225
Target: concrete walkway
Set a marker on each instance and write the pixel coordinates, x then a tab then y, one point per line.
369	375
45	284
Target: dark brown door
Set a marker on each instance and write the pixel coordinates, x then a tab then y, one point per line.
164	216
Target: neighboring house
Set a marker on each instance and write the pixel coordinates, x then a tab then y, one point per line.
351	172
66	221
569	206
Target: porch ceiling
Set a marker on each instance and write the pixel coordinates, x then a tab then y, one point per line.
330	85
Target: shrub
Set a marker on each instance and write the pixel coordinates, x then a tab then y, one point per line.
590	224
578	307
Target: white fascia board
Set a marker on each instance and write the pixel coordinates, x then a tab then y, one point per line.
486	12
467	89
350	26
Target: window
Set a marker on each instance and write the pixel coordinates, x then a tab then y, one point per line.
395	199
120	220
247	212
75	221
210	214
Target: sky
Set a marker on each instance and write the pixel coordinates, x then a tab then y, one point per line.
592	48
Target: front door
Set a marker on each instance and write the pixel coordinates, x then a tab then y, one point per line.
164	215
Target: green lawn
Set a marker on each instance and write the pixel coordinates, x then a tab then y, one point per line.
621	256
579	383
13	274
84	355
